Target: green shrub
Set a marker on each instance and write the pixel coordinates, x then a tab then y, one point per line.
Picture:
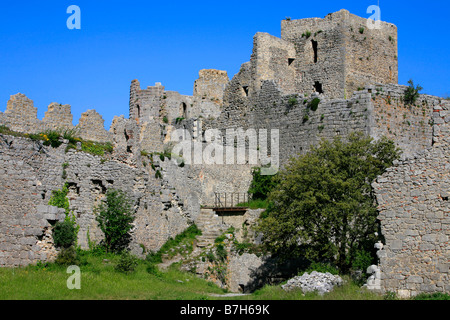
362	260
292	101
165	119
96	148
52	138
220	239
154	257
153	269
324	201
115	217
412	93
68	256
127	263
314	104
221	253
305	118
70	135
261	185
322	268
64	234
59	198
361	30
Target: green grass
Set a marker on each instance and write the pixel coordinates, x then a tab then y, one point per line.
100	281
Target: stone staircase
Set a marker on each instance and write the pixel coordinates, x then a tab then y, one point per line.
210	225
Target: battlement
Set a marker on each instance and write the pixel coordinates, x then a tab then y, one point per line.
21	116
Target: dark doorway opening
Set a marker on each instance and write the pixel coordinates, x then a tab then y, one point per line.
318	87
290	61
314	45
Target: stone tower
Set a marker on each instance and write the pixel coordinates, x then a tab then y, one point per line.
338	54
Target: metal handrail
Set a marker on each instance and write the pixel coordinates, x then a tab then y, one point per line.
230	200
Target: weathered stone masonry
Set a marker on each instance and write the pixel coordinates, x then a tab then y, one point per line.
337	59
414	207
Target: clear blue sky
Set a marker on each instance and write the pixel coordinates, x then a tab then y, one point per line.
169	42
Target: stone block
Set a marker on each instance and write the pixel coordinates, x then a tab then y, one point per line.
414	279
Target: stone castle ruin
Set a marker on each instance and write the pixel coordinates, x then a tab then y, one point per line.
350	69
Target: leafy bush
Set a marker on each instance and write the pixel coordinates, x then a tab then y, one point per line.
59	198
314	104
324	200
363	259
153	269
68	256
64	234
292	101
127	262
322	268
115	217
261	185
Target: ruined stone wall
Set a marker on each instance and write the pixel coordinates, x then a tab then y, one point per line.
31	171
413	198
338	54
410	126
58	116
91	127
211	84
21	116
273	59
28	174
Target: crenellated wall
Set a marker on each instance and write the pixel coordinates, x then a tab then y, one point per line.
21	116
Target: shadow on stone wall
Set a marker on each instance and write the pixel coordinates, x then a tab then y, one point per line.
273	271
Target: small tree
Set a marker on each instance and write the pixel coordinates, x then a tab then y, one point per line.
115	217
412	93
324	206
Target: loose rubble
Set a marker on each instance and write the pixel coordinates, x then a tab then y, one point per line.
316	281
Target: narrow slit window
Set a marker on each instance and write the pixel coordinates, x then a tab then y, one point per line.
314	46
245	88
